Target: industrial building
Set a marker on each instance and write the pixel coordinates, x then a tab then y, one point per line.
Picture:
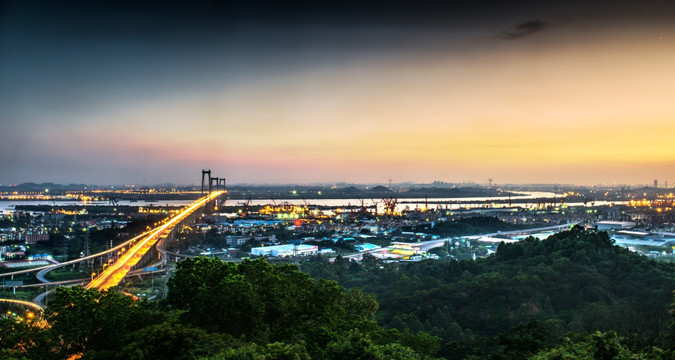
615	225
285	250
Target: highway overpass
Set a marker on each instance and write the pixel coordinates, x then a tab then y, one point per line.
114	273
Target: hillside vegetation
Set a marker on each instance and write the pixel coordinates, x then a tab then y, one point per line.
572	296
574	282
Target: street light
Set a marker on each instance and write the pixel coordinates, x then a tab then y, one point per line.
92	276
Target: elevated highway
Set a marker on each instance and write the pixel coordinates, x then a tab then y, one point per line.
112	276
42	270
27	304
139	247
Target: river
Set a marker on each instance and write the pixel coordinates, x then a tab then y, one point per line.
405	203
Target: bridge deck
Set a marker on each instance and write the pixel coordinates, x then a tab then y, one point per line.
117	270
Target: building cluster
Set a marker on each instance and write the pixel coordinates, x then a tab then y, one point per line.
291	230
359	228
61	232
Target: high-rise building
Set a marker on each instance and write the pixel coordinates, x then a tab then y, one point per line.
656	183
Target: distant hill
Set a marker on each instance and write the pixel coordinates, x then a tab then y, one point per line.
348	190
33	187
381	189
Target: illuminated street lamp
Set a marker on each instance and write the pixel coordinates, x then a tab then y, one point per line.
92	276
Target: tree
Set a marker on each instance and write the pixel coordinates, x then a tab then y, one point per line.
262	303
525	340
598	346
273	351
22	339
88	319
359	346
172	340
671	326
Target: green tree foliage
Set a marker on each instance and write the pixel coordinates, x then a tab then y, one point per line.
359	346
598	346
263	303
217	310
23	340
671	326
172	340
525	339
273	351
465	226
88	319
524	298
533	299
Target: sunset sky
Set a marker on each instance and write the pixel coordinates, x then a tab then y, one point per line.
133	92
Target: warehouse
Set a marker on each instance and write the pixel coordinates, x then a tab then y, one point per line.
615	225
285	250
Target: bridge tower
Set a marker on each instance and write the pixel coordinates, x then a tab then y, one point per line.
213	183
214	205
204	173
213	180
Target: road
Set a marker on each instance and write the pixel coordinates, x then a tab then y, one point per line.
47	268
42	271
24	303
117	271
40	299
139	245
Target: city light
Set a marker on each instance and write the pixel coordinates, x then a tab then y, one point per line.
116	271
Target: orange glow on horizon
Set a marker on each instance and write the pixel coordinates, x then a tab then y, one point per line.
572	98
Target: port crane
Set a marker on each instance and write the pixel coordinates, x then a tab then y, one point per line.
390	205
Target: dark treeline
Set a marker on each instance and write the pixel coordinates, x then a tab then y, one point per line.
216	310
574	295
526	298
465	226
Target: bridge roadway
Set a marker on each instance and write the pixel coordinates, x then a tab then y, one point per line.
38	301
118	270
23	303
42	270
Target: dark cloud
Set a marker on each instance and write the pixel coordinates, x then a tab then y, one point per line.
523	29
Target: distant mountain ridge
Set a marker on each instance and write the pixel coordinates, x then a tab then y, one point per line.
242	192
30	186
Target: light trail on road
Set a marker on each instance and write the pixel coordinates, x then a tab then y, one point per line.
117	271
70	262
24	303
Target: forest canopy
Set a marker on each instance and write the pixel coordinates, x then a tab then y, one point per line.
573	295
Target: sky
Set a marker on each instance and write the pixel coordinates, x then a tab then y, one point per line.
141	92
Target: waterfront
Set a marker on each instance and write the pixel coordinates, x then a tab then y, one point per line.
525	200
